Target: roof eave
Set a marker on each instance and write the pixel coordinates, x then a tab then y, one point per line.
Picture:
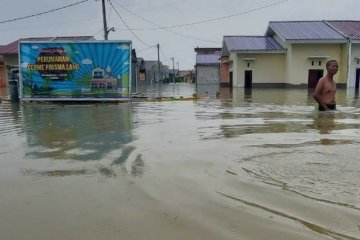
259	51
270	32
9	54
224	50
207	64
316	41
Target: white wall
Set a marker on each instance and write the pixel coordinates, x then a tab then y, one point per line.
267	68
354	63
299	64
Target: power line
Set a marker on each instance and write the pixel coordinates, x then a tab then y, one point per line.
153	23
152	1
165	58
164	5
42	13
213	19
127	26
49	25
93	35
142	50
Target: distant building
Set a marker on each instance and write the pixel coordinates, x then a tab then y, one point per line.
152	71
173	75
207	66
186	76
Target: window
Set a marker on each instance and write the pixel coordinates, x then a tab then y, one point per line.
98	74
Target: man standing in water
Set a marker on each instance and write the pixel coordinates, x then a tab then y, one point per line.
326	88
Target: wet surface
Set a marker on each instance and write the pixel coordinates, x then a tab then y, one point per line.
235	164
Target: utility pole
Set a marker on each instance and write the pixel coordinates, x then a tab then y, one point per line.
173	71
158	52
104	20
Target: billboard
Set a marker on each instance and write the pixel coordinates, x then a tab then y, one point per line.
87	70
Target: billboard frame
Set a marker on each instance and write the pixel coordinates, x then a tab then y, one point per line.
71	98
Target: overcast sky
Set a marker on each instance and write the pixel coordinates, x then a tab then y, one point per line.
191	23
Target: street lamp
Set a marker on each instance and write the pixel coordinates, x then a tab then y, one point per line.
108	31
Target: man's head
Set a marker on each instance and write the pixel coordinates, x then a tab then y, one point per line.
332	67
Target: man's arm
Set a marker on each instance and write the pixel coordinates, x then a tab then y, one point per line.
318	94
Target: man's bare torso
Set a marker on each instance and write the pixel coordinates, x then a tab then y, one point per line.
328	91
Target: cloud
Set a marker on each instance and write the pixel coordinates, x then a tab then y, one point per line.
87	61
35	47
24	64
126	63
123	47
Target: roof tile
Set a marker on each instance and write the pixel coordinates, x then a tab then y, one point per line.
305	30
252	43
350	29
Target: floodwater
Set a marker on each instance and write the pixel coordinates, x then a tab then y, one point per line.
260	164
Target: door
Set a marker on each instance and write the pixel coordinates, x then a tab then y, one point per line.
2	77
248	78
231	79
314	76
357	83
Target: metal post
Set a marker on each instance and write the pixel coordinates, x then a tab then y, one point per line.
173	71
104	20
158	52
178	72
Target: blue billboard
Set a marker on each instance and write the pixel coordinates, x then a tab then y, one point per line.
75	70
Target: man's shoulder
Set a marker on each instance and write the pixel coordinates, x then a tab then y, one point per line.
323	79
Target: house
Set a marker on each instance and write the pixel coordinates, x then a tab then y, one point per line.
309	45
152	71
102	79
293	54
9	54
173	75
351	30
2	69
252	57
207	68
186	76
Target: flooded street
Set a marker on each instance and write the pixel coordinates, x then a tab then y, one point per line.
235	164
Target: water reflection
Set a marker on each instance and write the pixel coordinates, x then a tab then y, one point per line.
210	90
324	122
96	132
10	118
3	92
356	94
77	132
248	95
268	151
156	90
